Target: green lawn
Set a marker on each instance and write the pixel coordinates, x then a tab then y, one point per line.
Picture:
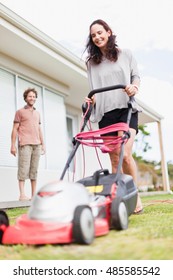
149	236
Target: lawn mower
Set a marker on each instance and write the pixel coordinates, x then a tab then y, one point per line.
64	212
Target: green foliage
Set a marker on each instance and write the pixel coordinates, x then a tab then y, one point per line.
141	145
170	169
143	130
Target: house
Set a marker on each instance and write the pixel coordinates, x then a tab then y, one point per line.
30	58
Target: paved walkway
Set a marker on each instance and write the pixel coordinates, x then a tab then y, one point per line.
14	204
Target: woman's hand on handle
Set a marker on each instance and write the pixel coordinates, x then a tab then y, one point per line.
90	100
131	89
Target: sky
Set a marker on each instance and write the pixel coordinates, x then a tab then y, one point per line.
144	26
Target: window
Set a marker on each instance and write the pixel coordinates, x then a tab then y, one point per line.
55	130
71	132
7	110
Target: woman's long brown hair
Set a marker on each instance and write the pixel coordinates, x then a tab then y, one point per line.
94	52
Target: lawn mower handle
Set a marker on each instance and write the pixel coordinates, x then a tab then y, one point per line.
87	116
105	89
94	91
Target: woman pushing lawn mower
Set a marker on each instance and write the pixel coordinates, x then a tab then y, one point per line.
65	212
107	65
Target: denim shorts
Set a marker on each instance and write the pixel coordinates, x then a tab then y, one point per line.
28	161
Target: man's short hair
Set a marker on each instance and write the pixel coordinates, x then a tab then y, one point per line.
27	91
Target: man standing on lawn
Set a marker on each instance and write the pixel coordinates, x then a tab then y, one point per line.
27	128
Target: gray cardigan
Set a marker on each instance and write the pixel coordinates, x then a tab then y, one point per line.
108	73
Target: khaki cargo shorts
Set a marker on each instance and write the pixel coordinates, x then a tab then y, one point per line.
28	161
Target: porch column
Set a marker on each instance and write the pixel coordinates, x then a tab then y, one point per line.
165	178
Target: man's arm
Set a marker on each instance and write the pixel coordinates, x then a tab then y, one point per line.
13	138
41	140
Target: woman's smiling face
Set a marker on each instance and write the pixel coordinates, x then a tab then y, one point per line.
99	36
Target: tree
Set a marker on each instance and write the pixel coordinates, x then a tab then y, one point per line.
141	145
